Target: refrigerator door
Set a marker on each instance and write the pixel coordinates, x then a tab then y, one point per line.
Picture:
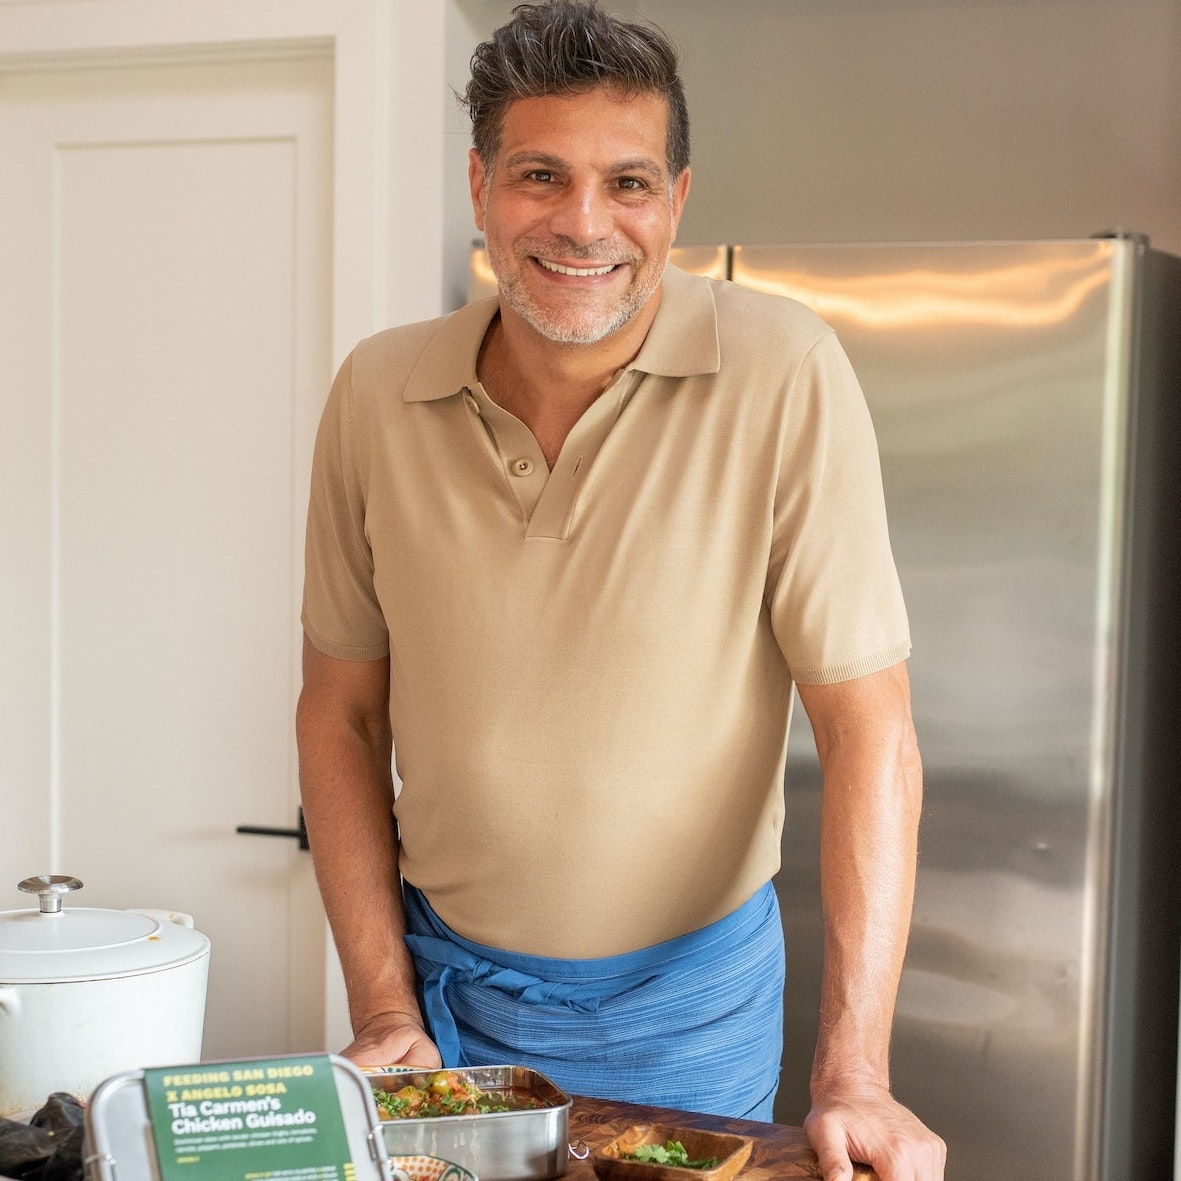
998	377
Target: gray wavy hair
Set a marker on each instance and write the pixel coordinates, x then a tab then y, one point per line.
568	47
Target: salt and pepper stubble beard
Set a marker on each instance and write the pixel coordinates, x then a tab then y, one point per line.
569	325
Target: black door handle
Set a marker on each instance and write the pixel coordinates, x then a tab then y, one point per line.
300	834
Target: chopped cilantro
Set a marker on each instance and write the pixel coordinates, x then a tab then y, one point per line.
670	1153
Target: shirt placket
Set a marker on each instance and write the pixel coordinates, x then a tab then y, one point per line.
548	498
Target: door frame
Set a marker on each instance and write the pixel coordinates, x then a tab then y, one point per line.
389	76
388	59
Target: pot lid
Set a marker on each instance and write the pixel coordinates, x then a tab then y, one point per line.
56	944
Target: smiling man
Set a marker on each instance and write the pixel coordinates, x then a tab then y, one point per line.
569	550
579	208
578	227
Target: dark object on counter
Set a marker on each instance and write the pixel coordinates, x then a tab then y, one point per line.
49	1146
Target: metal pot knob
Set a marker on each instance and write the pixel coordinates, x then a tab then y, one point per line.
50	888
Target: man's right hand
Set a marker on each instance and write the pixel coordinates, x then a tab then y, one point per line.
393	1039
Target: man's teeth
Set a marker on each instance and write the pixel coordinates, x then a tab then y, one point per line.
559	269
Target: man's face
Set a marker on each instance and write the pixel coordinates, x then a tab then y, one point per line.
578	212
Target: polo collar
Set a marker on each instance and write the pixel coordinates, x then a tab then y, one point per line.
447	366
683	339
682	342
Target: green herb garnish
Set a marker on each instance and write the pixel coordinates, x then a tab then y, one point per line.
670	1153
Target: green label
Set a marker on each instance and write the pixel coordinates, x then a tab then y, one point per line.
276	1119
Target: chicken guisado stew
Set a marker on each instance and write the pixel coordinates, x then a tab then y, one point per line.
447	1092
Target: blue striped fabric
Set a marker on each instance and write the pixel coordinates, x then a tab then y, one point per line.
695	1023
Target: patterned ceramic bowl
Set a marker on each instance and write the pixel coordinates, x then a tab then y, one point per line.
429	1168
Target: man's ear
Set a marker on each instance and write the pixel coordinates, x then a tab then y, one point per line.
679	195
477	180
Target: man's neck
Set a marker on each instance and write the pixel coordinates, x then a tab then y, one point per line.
549	386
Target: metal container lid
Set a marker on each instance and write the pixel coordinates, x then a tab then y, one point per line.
119	1135
53	945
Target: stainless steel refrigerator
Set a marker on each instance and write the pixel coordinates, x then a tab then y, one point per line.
1027	399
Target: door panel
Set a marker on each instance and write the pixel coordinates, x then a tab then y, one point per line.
164	351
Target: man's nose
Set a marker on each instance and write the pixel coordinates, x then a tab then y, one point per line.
583	215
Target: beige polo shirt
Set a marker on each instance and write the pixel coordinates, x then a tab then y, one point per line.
591	667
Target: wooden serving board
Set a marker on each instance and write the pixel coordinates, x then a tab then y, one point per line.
779	1152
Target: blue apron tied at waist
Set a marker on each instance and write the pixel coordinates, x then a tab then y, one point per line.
444	958
725	981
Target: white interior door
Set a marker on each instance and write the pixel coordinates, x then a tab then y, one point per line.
165	346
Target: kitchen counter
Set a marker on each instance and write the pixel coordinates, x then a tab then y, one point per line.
779	1153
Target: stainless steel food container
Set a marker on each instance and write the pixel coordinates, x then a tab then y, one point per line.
527	1145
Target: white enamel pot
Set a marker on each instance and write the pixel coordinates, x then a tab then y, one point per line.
88	993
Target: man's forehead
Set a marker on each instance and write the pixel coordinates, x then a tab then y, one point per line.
599	104
627	126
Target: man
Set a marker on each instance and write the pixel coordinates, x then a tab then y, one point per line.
567	552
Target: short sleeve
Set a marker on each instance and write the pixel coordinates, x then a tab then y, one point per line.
834	594
341	613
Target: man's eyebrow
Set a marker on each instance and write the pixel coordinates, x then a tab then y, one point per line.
639	164
643	164
536	159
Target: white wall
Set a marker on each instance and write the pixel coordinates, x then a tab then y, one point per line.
862	120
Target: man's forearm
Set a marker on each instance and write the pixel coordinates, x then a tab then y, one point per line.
867	885
869	831
346	784
869	847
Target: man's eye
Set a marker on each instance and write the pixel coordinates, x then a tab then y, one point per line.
541	175
631	183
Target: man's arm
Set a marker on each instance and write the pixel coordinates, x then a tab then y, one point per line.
868	852
346	780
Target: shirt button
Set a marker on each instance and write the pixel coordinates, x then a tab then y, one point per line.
521	467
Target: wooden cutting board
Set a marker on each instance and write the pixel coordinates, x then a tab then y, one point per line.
779	1152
